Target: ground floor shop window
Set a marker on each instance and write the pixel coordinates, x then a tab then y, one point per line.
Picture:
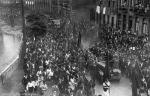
112	21
104	22
130	23
92	14
124	22
119	21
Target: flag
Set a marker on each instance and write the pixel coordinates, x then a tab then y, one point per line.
98	9
104	10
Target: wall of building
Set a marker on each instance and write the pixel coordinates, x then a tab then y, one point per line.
122	14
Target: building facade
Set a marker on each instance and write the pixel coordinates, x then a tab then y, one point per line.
126	15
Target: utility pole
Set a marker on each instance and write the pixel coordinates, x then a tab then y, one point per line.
58	5
70	8
23	46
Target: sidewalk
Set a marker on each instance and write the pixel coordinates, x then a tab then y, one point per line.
12	85
122	88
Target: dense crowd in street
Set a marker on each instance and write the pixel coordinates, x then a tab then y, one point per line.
53	58
133	52
58	58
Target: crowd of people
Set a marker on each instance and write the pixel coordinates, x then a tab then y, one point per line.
133	52
57	58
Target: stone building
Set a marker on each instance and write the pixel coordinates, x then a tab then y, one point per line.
126	15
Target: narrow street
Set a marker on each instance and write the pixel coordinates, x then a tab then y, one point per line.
122	88
113	35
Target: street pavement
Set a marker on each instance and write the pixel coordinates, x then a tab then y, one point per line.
117	88
122	88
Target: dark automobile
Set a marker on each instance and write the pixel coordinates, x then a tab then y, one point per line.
115	74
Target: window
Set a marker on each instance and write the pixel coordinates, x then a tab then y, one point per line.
131	3
107	19
109	3
113	3
130	23
119	21
138	26
112	21
145	25
124	22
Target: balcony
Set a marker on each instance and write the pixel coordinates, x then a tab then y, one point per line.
141	11
123	7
